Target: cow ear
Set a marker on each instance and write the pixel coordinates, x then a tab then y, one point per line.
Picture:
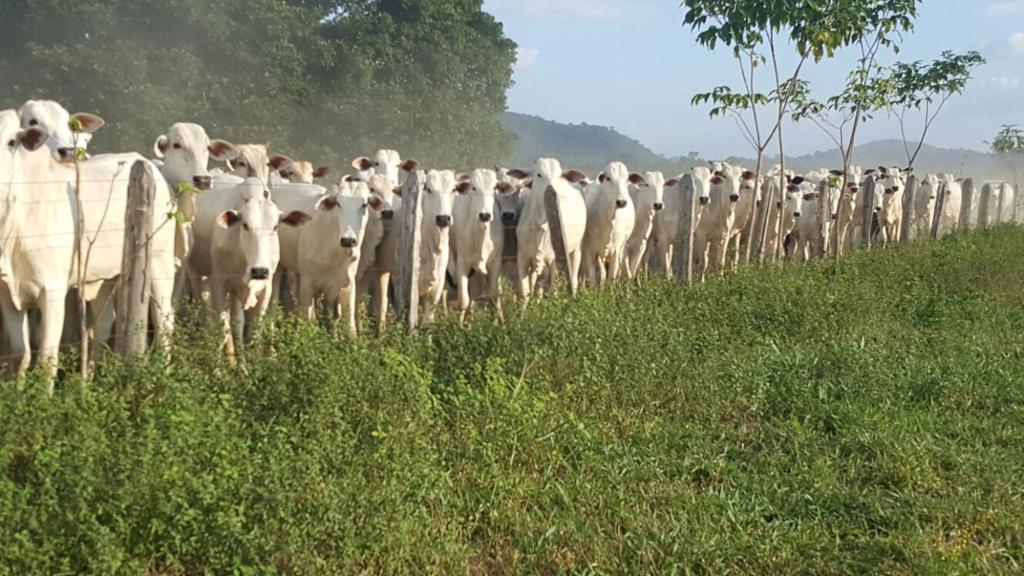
637	179
601	177
321	172
883	169
672	183
573	176
296	218
222	150
836	172
33	138
362	163
348	178
375	202
528	184
717	179
798	180
409	165
505	188
228	218
517	174
325	204
160	146
86	123
907	170
748	175
279	161
461	177
869	171
397	191
463	187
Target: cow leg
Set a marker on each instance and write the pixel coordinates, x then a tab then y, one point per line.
161	303
462	279
16	329
51	309
575	260
380	299
102	315
613	266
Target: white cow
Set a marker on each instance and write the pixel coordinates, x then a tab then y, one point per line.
931	185
785	205
535	255
611	218
386	162
436	198
185	152
849	214
56	121
477	237
41	221
378	262
253	161
665	225
648	195
297	171
719	216
924	205
325	254
888	194
236	246
38	243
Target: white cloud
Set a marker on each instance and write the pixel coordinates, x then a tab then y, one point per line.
1005	8
1006	82
525	57
1016	43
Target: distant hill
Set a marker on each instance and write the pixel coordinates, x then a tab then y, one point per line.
581	146
588	147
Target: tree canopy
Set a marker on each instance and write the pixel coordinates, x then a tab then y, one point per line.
320	79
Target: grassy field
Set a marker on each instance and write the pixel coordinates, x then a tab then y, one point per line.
865	416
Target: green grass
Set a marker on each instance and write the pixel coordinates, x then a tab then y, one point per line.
865	416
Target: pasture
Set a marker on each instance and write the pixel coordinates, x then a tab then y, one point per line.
854	415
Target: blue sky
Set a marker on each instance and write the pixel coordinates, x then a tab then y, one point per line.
630	64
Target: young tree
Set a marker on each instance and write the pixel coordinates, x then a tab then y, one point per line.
1008	145
926	88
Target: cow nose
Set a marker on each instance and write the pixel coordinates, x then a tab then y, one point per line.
734	197
620	203
796	214
878	208
348	242
259	273
659	206
443	220
202	182
486	217
508	217
66	153
387	214
704	200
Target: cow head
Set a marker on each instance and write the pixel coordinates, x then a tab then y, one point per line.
648	191
251	161
16	140
386	194
253	225
476	195
186	151
437	197
297	171
386	162
348	204
702	184
57	122
614	185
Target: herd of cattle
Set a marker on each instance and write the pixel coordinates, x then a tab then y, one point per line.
258	230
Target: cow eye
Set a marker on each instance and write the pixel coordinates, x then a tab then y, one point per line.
266	193
240	163
177	146
276	226
246	227
11	143
33	122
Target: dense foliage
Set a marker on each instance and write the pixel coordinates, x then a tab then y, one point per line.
325	79
852	416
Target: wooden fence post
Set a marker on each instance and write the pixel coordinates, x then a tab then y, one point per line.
907	218
683	253
133	291
1000	217
985	205
940	203
553	210
407	279
867	205
765	219
967	203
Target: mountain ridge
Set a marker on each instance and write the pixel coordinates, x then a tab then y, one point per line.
590	147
